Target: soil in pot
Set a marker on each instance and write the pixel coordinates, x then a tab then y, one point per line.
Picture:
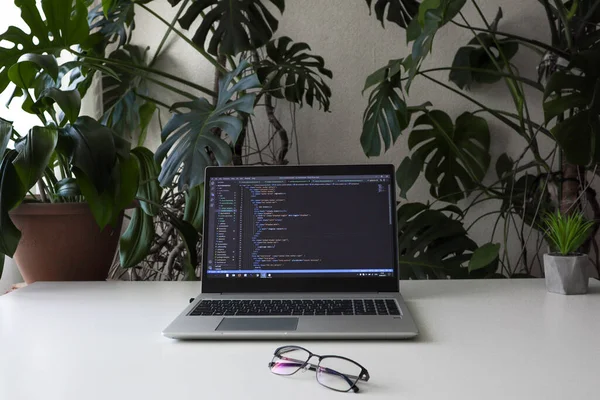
62	242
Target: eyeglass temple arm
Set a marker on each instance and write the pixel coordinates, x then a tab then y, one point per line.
313	367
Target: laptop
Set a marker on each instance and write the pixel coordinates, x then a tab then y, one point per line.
298	252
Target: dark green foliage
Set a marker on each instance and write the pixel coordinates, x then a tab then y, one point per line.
188	137
290	72
239	25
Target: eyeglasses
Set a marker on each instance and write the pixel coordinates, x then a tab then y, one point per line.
334	372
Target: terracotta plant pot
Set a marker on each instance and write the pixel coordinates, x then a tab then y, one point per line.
62	242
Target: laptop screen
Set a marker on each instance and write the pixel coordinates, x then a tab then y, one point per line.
309	226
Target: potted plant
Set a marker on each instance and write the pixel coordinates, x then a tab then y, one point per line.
83	172
565	267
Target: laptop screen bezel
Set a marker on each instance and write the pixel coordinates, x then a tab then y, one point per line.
295	284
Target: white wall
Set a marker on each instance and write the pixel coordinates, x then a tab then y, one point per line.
354	44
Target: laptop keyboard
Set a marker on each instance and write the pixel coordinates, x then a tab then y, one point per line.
296	307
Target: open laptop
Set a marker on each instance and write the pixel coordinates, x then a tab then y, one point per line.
303	252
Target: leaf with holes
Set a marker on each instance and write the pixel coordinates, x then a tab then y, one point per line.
456	156
432	245
115	22
400	12
472	61
290	72
6	131
574	94
383	118
231	27
65	25
122	107
188	138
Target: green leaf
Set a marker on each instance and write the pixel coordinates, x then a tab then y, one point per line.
407	174
190	237
187	136
23	73
431	244
425	7
65	25
136	241
456	156
471	61
149	188
504	166
93	151
484	256
433	14
101	204
122	106
67	187
194	207
11	194
128	183
400	12
6	131
393	68
290	72
574	94
69	102
381	120
107	5
527	197
34	154
115	25
146	112
238	26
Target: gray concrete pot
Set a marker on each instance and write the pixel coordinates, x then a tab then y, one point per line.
566	274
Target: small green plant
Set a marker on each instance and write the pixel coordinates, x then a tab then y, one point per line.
566	233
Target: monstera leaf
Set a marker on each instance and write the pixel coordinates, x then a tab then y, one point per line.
574	94
114	20
237	25
456	157
290	72
188	137
386	114
65	25
434	245
432	15
124	111
472	61
400	12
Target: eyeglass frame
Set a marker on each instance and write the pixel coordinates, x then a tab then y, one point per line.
363	375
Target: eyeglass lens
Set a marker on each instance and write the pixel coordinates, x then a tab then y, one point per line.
337	373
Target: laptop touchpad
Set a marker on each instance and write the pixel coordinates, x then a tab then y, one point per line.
258	324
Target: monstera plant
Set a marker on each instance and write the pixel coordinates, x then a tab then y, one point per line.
254	70
70	159
454	158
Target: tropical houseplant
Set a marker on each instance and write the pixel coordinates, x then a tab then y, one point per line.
84	171
454	156
565	268
254	70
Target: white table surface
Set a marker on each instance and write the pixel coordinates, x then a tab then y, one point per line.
480	340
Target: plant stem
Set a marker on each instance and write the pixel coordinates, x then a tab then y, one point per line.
168	32
142	68
536	43
200	50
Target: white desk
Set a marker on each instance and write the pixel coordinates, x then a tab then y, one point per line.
480	340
